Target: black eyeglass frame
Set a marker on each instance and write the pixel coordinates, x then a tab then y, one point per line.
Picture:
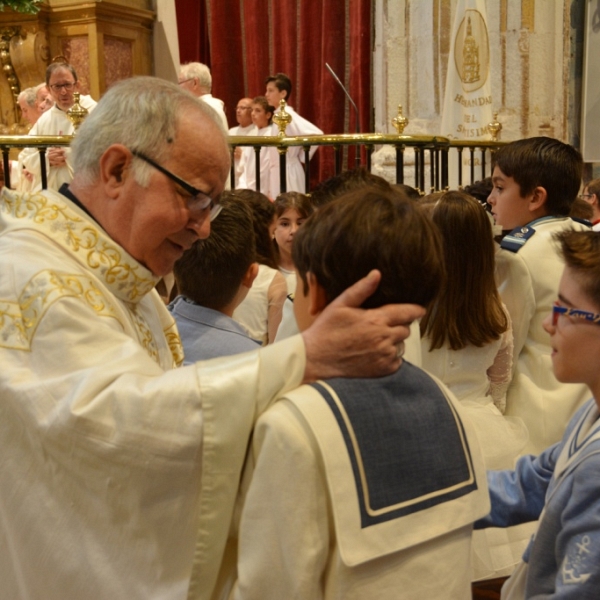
57	87
198	200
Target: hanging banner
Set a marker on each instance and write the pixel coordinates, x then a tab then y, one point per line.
468	106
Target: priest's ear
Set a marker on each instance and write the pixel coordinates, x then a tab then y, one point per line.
115	168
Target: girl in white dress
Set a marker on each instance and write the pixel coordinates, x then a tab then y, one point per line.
467	335
291	210
260	312
467	343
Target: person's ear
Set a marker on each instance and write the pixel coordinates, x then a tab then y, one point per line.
538	199
115	166
317	298
250	275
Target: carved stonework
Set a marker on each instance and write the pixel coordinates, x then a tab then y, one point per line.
23	58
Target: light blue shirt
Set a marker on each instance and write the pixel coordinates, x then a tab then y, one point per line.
206	333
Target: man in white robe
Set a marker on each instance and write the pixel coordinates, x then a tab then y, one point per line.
195	77
61	80
279	87
243	115
119	473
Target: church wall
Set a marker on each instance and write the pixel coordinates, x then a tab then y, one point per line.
535	61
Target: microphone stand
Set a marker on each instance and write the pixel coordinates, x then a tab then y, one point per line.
357	156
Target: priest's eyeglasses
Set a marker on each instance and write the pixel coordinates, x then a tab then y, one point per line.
197	200
58	87
558	310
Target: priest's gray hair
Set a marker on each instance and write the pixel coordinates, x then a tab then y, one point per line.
141	113
198	71
28	95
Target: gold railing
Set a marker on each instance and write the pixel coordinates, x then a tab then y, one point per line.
436	161
18	142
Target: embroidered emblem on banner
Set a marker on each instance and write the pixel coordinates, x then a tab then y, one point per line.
472	51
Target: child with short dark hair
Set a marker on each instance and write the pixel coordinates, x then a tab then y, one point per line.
213	277
362	489
536	181
560	486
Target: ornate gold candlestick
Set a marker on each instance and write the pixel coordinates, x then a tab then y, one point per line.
495	127
400	121
77	113
282	118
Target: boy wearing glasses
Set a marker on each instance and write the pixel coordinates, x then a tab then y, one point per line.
61	80
560	486
536	181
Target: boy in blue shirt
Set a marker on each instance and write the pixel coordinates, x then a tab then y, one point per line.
213	277
561	485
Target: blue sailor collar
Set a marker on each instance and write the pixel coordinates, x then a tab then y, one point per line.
518	237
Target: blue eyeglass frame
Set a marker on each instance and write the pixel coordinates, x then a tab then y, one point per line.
558	310
198	199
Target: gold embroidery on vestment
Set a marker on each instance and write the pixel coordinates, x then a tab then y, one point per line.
19	320
175	345
94	248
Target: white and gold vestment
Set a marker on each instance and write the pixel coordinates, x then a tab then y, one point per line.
118	472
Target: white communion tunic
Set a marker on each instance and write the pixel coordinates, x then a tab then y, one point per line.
529	276
360	489
52	122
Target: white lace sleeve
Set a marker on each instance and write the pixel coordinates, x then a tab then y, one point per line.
500	372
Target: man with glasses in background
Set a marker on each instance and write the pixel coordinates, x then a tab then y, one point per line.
61	80
119	471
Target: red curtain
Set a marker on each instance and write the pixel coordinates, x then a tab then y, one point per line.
244	41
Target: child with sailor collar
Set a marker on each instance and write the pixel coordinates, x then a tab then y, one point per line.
536	181
560	486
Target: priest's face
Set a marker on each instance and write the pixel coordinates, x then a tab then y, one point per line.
62	86
157	223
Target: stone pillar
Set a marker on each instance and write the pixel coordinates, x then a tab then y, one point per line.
105	40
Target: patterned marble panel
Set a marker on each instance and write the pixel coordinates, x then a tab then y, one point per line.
118	59
77	51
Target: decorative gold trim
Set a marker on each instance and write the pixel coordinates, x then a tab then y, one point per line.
145	336
125	277
174	341
19	320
